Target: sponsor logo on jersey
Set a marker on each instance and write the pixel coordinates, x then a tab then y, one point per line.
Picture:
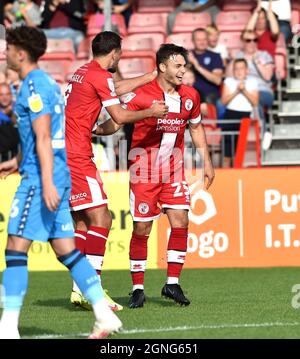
35	103
169	124
78	196
67	227
143	208
188	104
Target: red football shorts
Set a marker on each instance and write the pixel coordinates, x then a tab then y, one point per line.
148	200
87	186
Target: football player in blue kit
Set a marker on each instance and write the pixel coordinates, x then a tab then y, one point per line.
40	209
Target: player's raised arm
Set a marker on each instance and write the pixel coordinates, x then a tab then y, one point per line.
124	86
122	116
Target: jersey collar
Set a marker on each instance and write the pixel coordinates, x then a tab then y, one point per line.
156	86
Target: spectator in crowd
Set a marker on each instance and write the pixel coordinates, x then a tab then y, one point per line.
208	67
64	19
12	78
240	96
213	35
22	12
192	6
283	11
189	79
266	28
117	8
9	137
123	7
6	104
261	67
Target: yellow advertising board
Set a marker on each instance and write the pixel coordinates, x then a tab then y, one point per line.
41	256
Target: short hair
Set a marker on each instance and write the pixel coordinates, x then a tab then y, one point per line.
244	61
249	32
212	28
30	39
199	29
167	50
105	42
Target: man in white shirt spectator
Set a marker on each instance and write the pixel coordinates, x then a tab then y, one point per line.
213	43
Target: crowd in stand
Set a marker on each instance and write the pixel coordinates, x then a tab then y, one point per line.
238	83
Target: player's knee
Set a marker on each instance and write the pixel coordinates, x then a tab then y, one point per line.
100	217
142	228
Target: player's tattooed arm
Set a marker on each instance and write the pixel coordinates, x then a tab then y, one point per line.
128	85
107	128
199	140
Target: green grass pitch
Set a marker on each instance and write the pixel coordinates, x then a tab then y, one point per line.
226	303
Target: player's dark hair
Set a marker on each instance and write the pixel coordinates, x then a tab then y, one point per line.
105	42
244	61
167	50
30	39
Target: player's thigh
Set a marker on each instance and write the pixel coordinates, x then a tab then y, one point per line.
29	217
87	186
175	201
62	226
144	201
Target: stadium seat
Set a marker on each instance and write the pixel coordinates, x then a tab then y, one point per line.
232	40
157	39
74	66
84	49
96	24
135	67
138	46
233	20
238	5
151	6
187	21
145	23
59	49
182	39
54	68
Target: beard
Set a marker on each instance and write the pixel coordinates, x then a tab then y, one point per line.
112	70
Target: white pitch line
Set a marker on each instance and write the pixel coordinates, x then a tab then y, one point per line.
172	329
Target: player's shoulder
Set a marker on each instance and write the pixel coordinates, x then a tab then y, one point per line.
40	80
93	69
189	91
139	94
